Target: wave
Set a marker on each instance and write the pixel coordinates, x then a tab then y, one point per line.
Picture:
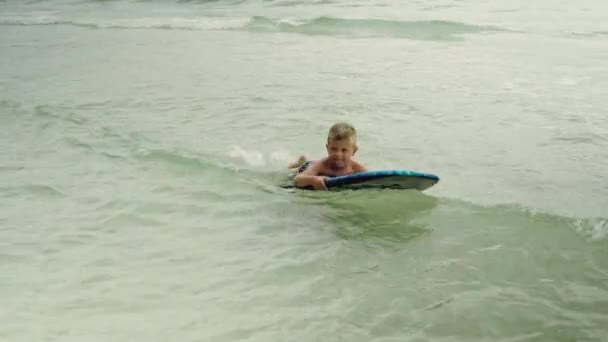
594	34
291	3
39	190
162	23
422	30
592	228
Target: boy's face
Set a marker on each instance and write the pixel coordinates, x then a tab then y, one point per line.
339	152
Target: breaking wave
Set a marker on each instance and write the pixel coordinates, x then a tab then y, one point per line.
422	30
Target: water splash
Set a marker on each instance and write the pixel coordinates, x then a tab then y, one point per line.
252	158
595	229
279	158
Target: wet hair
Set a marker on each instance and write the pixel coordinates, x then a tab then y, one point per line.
342	131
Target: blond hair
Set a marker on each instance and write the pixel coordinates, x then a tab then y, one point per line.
342	131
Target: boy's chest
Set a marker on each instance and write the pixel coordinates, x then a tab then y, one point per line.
327	172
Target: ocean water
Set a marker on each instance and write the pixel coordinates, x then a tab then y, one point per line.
143	145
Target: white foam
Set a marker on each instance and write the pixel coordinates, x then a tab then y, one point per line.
34	18
167	23
171	23
595	229
599	230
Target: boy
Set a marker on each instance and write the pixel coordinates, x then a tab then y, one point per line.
341	146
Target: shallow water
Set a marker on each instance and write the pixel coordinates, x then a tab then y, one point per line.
143	145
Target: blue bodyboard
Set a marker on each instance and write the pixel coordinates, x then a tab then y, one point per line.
383	179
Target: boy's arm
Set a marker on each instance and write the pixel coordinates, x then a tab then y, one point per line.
310	177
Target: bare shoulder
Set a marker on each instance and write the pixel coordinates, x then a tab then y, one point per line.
358	167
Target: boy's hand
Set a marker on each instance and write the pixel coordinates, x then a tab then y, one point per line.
318	183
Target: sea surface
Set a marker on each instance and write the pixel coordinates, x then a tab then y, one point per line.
144	144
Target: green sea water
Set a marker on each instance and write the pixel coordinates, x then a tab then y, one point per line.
143	145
